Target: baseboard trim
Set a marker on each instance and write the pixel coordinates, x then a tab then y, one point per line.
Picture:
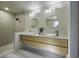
6	49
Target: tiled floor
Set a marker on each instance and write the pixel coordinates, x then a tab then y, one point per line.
31	53
22	54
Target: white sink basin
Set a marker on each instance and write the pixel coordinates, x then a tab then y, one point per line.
49	34
45	34
36	34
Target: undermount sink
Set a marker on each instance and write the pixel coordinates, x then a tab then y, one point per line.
49	34
36	34
45	34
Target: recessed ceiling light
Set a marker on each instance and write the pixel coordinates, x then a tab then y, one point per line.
6	8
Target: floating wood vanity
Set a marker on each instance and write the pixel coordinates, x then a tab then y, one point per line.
52	44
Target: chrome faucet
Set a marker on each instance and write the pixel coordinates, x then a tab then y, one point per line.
57	33
41	30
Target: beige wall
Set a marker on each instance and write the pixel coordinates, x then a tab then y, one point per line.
20	26
23	26
6	28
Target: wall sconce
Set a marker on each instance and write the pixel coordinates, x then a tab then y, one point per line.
34	13
18	19
50	10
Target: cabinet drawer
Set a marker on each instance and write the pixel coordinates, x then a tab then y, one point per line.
53	49
46	40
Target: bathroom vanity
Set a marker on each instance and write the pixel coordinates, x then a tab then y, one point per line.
54	44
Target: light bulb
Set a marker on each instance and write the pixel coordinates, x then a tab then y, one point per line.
6	8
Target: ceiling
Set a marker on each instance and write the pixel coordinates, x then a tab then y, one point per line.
16	7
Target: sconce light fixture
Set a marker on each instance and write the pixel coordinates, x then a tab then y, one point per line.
18	19
50	10
34	12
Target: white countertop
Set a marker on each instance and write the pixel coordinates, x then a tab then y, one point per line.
23	33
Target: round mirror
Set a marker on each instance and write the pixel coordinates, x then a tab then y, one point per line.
35	23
